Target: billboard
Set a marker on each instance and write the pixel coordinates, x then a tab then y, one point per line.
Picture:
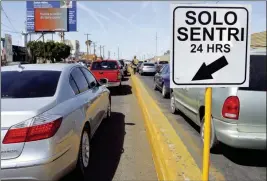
68	5
50	19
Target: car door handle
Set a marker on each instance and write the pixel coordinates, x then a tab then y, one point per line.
185	89
100	72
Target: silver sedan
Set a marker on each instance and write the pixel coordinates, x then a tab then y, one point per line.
147	68
49	113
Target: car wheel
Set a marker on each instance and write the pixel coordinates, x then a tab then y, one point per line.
109	110
164	91
84	152
155	86
173	107
213	140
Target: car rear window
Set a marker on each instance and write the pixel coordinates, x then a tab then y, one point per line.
163	62
149	64
104	65
257	80
29	84
122	62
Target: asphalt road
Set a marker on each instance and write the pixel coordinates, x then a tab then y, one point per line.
227	164
120	148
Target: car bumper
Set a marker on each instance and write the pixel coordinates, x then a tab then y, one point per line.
228	134
149	71
114	84
51	171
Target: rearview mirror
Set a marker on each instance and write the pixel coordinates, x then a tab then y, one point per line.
103	81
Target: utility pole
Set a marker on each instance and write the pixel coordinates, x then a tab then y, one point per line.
94	44
100	47
87	45
103	51
108	54
44	48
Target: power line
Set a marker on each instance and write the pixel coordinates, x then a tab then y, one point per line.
87	44
7	18
11	31
6	25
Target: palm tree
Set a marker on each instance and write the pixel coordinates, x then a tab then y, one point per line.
88	43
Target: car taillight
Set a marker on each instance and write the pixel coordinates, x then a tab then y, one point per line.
41	127
119	75
231	108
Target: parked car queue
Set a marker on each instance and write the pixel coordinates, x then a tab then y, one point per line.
238	114
49	114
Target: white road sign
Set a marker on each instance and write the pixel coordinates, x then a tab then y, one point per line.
210	46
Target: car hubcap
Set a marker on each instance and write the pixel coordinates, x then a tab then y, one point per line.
109	110
202	132
172	104
85	149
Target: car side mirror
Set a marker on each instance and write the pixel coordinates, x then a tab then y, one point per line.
92	84
103	81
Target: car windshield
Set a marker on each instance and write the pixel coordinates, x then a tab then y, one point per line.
257	77
163	62
149	64
104	65
121	62
29	84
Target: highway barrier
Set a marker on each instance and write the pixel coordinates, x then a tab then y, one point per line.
172	160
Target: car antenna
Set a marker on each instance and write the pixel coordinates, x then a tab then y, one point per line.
21	67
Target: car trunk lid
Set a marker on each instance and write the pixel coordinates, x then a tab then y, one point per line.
14	111
106	69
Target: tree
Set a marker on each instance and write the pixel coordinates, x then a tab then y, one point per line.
88	42
53	51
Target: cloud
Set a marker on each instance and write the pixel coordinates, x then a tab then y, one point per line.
143	6
122	18
94	14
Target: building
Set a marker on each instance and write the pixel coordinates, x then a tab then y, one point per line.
258	40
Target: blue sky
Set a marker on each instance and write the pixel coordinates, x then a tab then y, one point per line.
130	25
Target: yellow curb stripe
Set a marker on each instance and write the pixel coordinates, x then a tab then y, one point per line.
171	157
215	174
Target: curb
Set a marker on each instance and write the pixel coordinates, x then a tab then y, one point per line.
171	158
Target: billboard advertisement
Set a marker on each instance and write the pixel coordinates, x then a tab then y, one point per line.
50	19
68	5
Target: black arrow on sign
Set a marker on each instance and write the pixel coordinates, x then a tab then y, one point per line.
205	71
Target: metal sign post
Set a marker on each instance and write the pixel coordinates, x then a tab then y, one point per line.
207	124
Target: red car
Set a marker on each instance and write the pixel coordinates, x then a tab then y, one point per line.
109	69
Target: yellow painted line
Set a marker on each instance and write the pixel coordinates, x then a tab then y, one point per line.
172	160
215	174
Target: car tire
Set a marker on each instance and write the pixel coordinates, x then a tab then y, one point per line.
109	110
214	142
84	152
155	86
164	91
172	105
